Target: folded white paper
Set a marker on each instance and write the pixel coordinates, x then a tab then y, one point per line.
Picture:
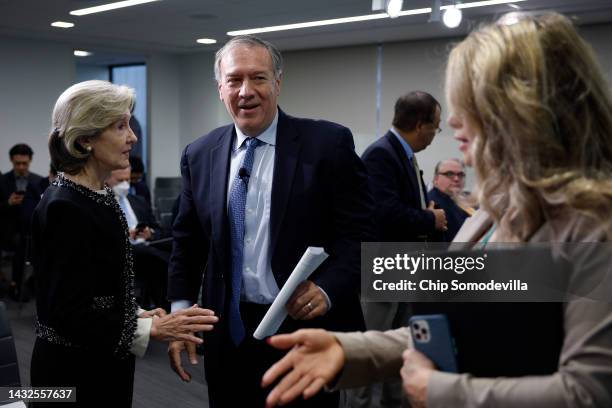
310	261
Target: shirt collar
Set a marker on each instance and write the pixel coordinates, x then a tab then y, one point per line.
268	136
404	144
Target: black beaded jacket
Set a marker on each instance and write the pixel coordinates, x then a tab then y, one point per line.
83	265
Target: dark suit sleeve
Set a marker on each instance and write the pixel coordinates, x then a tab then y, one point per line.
69	289
352	206
391	212
144	214
190	245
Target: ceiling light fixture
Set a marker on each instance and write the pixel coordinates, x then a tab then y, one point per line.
510	18
309	24
394	7
81	53
452	17
109	6
367	17
435	11
206	41
483	3
62	24
514	6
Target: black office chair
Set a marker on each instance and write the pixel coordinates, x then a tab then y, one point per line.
9	368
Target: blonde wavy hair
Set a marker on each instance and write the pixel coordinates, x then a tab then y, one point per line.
83	111
544	112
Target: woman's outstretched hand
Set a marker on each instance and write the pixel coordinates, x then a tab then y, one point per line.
182	324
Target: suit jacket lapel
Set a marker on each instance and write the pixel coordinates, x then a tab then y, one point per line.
406	165
219	172
12	181
286	158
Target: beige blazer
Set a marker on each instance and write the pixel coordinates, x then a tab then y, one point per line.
584	377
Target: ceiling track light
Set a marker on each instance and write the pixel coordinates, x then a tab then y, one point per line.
452	17
368	17
435	11
394	8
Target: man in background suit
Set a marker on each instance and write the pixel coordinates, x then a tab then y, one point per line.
20	192
256	194
447	193
150	262
403	211
138	184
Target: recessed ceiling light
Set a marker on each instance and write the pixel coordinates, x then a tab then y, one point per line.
62	24
366	17
109	6
206	41
81	53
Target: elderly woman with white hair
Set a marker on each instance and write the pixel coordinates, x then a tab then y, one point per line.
89	327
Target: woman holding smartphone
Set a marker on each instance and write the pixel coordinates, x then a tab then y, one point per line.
532	112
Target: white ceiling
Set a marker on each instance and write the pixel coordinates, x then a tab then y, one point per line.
174	25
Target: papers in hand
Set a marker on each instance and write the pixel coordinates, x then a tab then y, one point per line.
312	258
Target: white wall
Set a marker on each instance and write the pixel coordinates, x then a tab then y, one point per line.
201	109
32	76
163	79
86	72
333	84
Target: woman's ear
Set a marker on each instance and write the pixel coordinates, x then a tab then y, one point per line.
83	145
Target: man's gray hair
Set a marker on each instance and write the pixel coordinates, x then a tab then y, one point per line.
447	160
250	41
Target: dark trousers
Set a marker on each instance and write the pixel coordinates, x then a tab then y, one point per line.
101	380
234	373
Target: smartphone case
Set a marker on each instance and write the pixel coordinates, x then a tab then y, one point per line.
431	336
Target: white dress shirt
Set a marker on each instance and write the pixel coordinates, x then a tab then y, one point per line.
258	283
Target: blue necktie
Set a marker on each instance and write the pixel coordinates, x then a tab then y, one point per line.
237	202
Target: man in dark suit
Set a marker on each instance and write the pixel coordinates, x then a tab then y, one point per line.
138	185
150	262
256	194
447	193
403	212
20	192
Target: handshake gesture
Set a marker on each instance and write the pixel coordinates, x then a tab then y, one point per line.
180	325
